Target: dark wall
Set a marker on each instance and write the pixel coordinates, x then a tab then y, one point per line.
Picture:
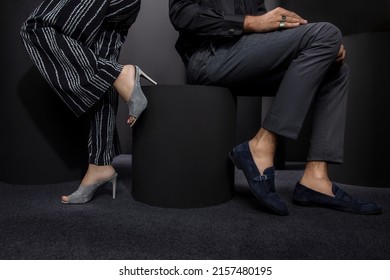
351	17
367	150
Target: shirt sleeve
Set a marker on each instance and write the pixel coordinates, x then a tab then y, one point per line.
188	17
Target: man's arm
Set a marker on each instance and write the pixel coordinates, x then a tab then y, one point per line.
187	16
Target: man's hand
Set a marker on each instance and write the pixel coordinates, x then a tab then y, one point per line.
341	55
271	21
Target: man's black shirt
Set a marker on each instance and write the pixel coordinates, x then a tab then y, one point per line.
200	22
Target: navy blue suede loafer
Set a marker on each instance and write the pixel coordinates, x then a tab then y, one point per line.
341	201
261	185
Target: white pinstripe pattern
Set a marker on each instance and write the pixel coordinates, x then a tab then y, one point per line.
75	45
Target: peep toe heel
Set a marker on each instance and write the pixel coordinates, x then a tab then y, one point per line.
85	193
138	102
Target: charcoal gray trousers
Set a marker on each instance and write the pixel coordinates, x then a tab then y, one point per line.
299	64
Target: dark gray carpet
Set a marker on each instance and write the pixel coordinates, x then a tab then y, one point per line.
35	225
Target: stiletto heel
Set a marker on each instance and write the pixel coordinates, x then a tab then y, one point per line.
138	101
146	76
85	193
113	182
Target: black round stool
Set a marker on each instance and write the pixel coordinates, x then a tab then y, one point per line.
181	147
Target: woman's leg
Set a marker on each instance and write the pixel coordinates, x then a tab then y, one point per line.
103	141
103	144
74	43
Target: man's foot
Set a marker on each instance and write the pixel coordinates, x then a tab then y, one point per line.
322	185
262	185
316	177
339	200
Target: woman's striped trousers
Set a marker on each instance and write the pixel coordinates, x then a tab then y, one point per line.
75	45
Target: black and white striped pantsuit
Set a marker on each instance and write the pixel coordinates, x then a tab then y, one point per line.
75	45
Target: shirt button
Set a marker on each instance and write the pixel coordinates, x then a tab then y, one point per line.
231	31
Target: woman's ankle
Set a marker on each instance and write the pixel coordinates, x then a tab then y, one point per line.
96	173
124	84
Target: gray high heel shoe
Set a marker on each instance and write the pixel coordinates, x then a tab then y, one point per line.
138	102
85	193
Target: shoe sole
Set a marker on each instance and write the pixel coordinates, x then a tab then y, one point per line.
312	204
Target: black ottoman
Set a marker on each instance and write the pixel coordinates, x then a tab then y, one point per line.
181	145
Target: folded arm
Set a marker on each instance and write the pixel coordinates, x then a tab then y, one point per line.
189	17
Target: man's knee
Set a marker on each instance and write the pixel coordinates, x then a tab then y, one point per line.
328	36
331	30
331	34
